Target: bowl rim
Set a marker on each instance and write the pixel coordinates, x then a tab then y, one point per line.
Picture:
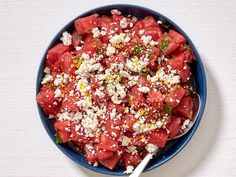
203	97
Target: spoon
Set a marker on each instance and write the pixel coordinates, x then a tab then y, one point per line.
196	107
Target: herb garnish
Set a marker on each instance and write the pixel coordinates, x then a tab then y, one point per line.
77	37
99	51
186	47
150	55
137	50
78	61
167	108
163	46
58	138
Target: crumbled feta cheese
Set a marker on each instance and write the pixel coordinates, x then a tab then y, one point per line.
185	124
83	86
125	141
121	90
46	70
159	22
71	93
133	80
141	32
131	148
117	38
127	39
159	124
58	80
66	38
135	64
78	116
146	39
124	74
99	93
63	116
85	56
90	123
115	99
84	103
51	116
95	164
144	89
166	78
47	78
123	23
152	42
115	11
134	18
129	169
103	31
77	48
57	93
94	67
83	70
141	127
110	50
150	147
113	113
96	32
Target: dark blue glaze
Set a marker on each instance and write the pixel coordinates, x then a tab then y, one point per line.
174	147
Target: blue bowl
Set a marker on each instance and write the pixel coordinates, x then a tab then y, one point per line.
173	147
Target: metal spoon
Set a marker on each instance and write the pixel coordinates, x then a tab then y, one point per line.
196	107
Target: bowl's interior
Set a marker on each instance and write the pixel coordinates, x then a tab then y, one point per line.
173	147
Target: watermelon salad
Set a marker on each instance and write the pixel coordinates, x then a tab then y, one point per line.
118	87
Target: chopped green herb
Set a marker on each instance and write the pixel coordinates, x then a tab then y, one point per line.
99	51
58	138
104	83
78	61
150	55
138	50
163	46
78	37
167	108
186	47
166	26
143	73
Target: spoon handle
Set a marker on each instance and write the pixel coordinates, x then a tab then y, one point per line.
139	169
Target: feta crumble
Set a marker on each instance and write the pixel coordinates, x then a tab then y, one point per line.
141	32
90	123
110	50
99	93
57	93
117	38
144	89
123	23
150	147
125	141
58	80
185	124
46	70
129	169
47	78
66	38
96	32
115	11
146	39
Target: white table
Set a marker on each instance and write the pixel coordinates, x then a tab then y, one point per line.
27	27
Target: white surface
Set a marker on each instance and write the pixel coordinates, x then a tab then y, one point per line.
27	27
